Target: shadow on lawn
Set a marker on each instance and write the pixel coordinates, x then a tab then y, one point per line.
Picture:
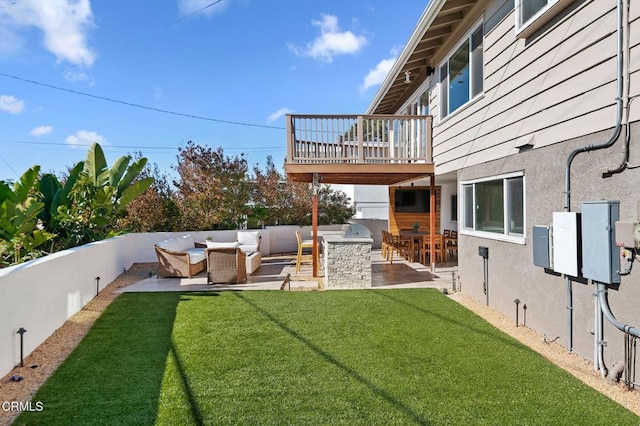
330	358
115	374
196	413
186	387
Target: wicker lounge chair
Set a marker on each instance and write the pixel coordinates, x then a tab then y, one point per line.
226	265
179	257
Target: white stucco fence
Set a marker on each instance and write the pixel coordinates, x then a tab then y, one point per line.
40	295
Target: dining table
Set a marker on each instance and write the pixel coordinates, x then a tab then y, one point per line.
416	238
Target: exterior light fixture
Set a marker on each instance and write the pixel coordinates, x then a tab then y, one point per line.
21	332
407	77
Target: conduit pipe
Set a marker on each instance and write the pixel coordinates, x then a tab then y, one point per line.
598	355
604	306
593	147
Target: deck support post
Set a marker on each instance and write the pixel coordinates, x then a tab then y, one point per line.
314	223
432	221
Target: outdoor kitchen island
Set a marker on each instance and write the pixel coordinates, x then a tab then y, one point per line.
347	257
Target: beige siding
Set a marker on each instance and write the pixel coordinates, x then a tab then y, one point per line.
634	60
634	9
546	90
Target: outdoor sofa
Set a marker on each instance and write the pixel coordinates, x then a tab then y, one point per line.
184	257
180	257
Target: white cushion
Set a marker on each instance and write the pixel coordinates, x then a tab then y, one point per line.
186	242
211	244
248	237
249	248
195	255
171	245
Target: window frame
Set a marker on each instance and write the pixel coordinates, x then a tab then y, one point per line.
524	29
443	76
414	103
506	235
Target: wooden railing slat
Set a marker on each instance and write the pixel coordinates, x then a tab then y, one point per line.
362	139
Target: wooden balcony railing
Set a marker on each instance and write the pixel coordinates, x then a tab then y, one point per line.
359	139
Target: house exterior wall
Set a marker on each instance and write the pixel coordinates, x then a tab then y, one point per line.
555	90
512	274
545	89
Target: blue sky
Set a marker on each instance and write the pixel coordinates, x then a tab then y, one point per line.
73	72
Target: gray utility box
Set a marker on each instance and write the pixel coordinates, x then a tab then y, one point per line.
542	246
600	256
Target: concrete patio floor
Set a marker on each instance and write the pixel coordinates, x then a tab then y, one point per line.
274	269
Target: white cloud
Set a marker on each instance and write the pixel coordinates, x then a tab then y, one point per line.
84	138
202	7
64	25
376	76
279	113
41	130
331	41
10	42
11	104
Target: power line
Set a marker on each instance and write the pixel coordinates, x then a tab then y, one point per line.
197	11
264	148
9	166
164	111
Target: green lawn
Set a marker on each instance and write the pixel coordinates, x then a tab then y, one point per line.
334	357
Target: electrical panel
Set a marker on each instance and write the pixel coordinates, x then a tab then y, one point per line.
600	255
566	247
542	246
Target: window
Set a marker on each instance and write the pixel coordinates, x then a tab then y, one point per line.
419	105
461	75
533	14
494	207
423	103
531	7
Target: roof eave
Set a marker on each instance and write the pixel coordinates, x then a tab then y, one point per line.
429	14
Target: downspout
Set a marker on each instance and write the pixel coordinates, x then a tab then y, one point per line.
587	148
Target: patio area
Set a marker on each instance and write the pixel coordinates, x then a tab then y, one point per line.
274	269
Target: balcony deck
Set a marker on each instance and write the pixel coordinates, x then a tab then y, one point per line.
390	148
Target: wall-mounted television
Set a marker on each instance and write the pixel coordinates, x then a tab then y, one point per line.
411	200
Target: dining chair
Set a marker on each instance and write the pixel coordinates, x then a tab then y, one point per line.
452	244
425	248
385	243
303	244
399	245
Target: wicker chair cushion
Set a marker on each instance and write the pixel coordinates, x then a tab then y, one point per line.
249	241
187	242
177	244
172	245
196	255
212	244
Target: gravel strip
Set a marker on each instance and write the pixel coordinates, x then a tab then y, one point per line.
43	361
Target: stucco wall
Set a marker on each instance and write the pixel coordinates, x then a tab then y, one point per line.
511	271
42	294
